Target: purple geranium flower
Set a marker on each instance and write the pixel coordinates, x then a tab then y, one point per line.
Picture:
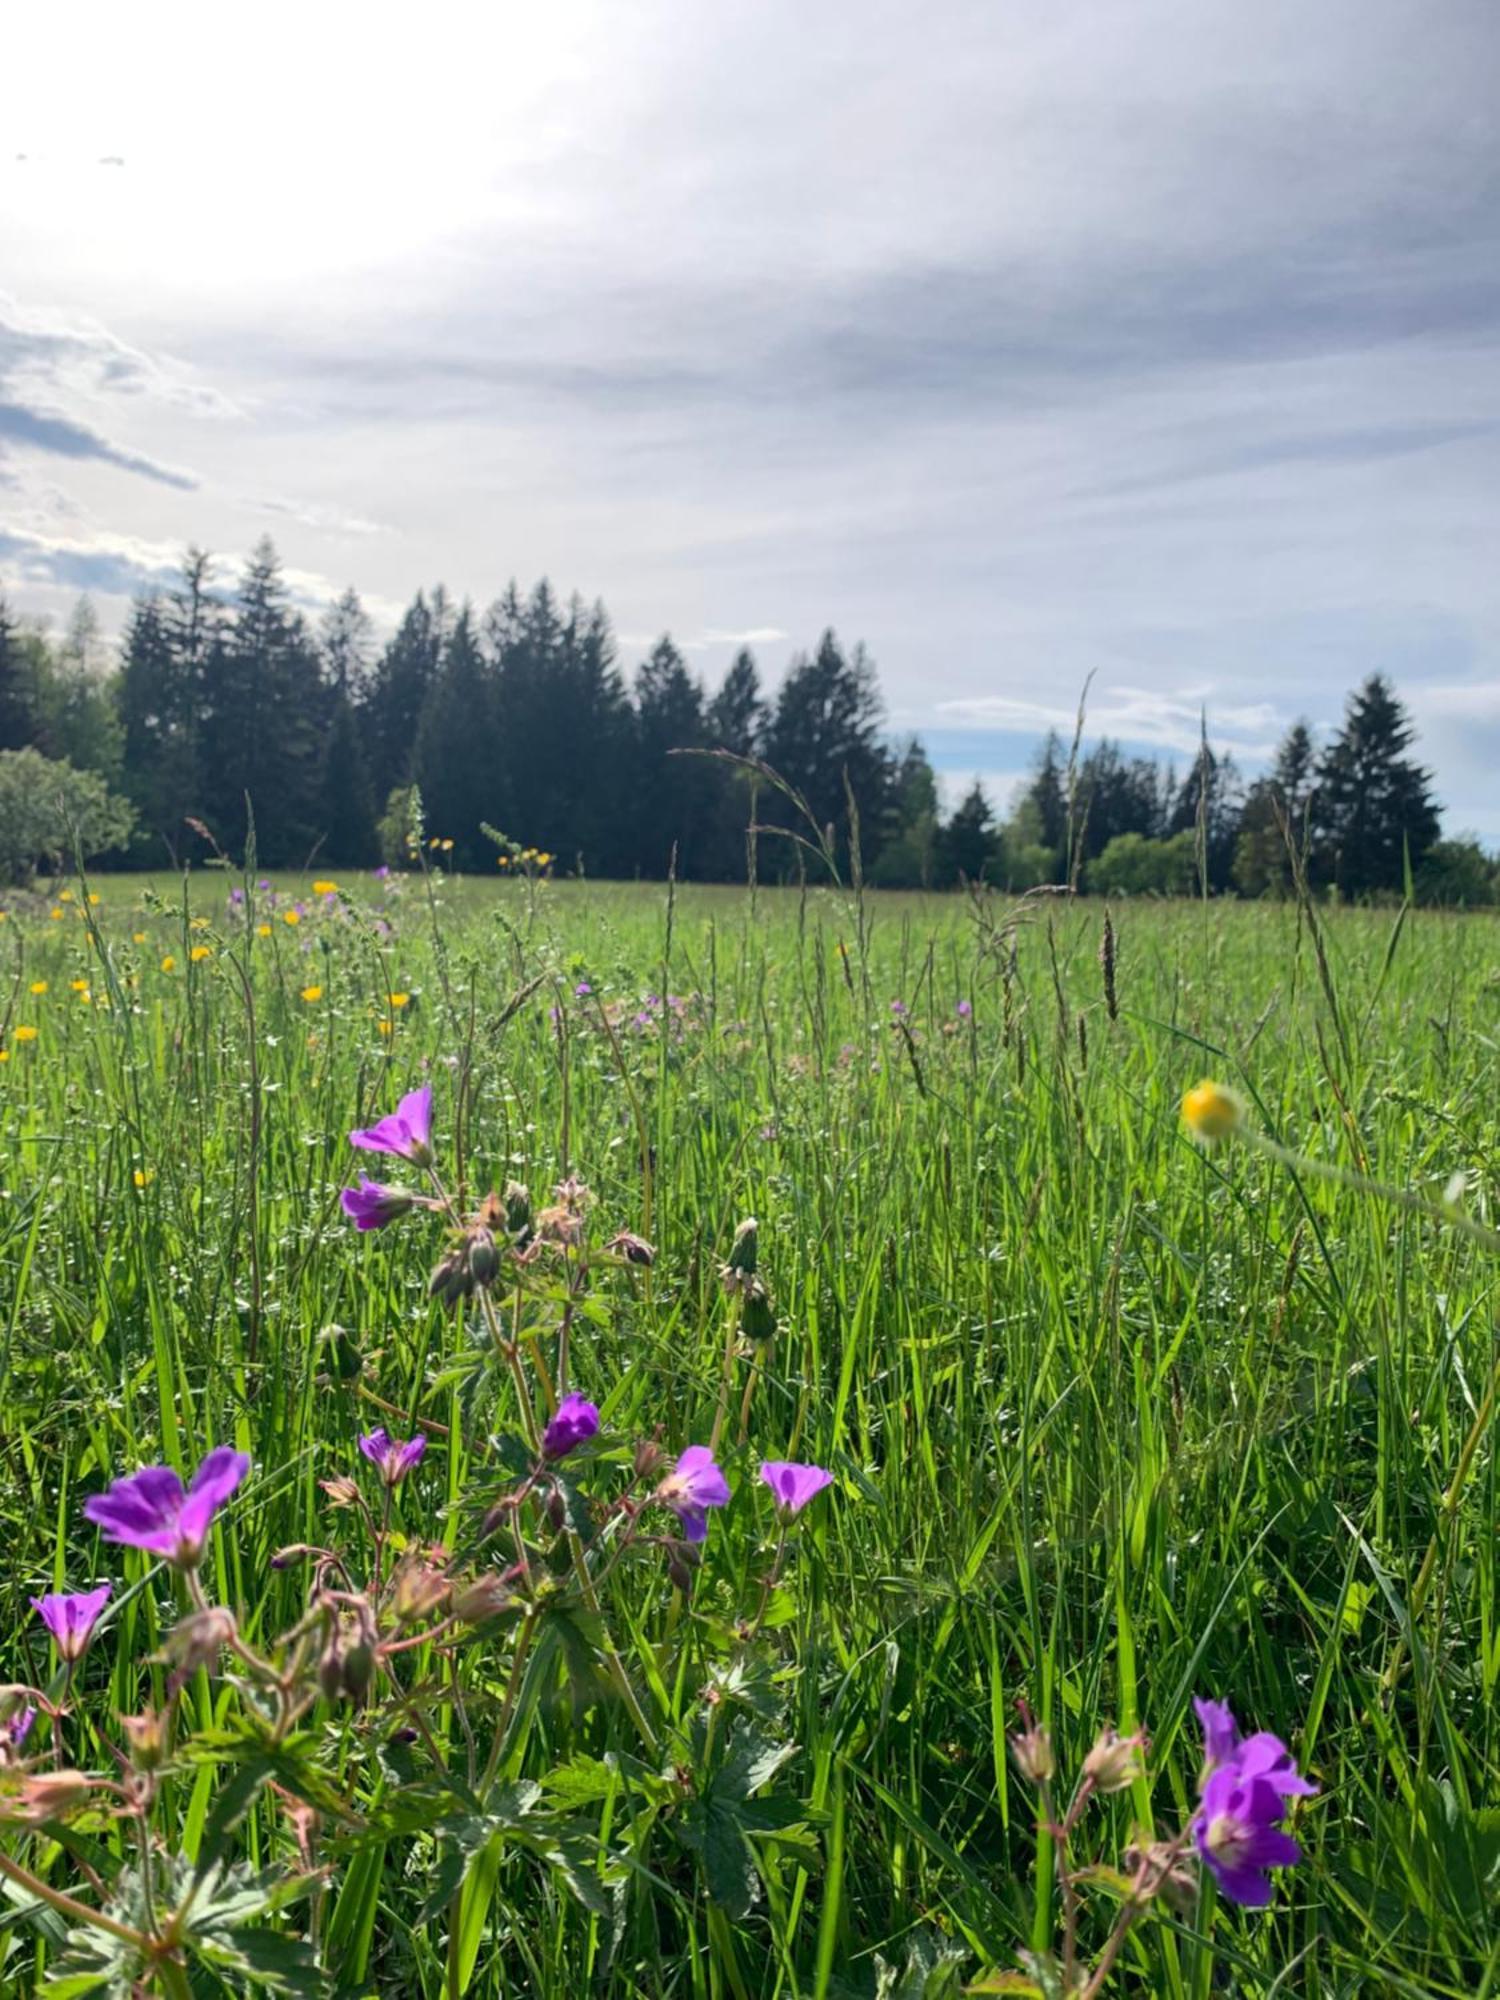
693	1485
1221	1733
393	1458
150	1510
1238	1833
16	1731
794	1485
406	1133
964	1009
71	1620
576	1421
372	1204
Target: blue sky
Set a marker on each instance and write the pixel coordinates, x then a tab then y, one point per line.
1158	340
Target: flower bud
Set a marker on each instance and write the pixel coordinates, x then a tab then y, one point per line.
649	1459
482	1257
481	1599
517	1211
331	1669
359	1671
419	1590
450	1280
557	1511
1032	1750
342	1491
1115	1762
47	1795
632	1248
757	1315
741	1262
200	1638
147	1734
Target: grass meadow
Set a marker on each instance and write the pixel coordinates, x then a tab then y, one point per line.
1114	1419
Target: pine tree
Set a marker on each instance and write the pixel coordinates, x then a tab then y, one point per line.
263	721
17	723
674	792
457	762
397	689
346	807
1373	808
970	843
826	730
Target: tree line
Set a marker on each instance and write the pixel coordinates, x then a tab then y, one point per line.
521	719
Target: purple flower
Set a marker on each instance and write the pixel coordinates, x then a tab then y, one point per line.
372	1204
794	1485
393	1458
964	1009
71	1620
693	1485
407	1132
576	1421
1221	1733
582	990
18	1728
1238	1833
898	1007
382	873
149	1510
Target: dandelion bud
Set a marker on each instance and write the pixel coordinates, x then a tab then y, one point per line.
1115	1762
634	1249
1032	1750
47	1795
740	1264
757	1315
517	1210
482	1257
147	1736
1211	1111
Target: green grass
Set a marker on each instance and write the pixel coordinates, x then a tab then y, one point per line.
1114	1420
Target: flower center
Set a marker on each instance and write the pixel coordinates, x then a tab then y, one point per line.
1228	1839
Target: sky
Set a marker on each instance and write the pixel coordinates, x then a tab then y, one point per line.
1027	340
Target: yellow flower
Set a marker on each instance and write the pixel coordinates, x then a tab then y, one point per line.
432	843
398	999
199	952
79	986
447	846
65	895
198	924
1210	1111
84	994
38	985
4	1055
56	916
325	888
24	1034
290	917
385	1027
169	964
93	900
262	930
140	1177
137	937
502	861
543	860
311	993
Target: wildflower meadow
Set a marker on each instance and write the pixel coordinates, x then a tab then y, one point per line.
565	1439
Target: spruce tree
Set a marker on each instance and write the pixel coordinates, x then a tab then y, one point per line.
673	796
397	690
1373	808
457	761
346	807
970	842
827	728
17	723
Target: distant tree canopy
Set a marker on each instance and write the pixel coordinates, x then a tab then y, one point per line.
521	718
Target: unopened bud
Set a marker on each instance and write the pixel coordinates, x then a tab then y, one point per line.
1115	1762
517	1210
678	1572
1032	1750
331	1670
359	1671
482	1257
147	1734
649	1459
342	1491
419	1590
557	1511
741	1261
200	1638
757	1314
634	1249
481	1599
47	1795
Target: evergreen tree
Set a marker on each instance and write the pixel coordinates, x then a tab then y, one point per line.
457	761
674	792
344	642
911	859
1373	807
826	729
397	690
263	721
1048	793
1114	795
17	722
737	714
346	809
970	841
1215	822
735	721
1262	864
